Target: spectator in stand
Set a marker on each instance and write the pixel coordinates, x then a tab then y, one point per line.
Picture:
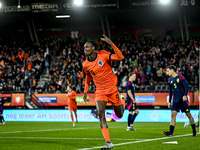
29	65
26	83
149	69
17	83
143	76
10	86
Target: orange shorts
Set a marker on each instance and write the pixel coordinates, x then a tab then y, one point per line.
72	108
113	98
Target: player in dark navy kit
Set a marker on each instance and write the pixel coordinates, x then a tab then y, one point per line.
178	86
2	101
131	102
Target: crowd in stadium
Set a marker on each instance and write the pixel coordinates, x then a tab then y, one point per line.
23	62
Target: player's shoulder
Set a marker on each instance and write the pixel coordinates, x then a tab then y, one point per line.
102	52
128	83
169	79
85	63
181	77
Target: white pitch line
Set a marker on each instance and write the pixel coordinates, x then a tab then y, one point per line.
55	130
147	140
55	138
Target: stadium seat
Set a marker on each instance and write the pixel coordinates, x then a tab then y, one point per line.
155	82
158	88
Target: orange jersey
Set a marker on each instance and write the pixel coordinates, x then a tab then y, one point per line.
29	66
100	69
71	98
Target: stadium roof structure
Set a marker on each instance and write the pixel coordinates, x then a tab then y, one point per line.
118	13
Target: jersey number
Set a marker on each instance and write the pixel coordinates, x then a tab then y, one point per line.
92	72
117	97
175	86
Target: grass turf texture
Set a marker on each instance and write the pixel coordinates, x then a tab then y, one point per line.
62	136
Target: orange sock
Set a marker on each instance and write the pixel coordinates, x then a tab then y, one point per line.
105	134
72	118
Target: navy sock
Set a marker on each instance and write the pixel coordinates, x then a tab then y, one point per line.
171	129
133	118
193	129
3	118
129	119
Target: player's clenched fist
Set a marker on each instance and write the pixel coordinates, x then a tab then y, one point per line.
85	98
169	105
107	40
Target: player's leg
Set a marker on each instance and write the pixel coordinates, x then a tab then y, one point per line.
117	104
101	106
135	107
173	121
188	114
172	124
1	118
191	119
72	117
119	110
185	108
129	121
197	124
173	118
75	110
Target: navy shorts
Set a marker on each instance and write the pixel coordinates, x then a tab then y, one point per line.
181	105
131	106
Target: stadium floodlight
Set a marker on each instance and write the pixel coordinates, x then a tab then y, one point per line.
0	5
18	6
164	1
63	16
78	2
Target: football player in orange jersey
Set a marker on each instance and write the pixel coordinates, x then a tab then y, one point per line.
72	103
98	67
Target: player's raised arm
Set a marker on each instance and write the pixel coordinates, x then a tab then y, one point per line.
87	83
118	55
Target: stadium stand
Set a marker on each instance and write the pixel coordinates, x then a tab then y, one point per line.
53	64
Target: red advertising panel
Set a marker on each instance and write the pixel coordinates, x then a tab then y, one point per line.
7	98
196	98
143	99
52	99
163	98
18	99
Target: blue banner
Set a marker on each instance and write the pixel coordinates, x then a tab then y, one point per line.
47	99
88	115
145	99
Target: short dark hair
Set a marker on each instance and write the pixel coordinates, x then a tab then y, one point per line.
71	87
131	73
93	43
171	67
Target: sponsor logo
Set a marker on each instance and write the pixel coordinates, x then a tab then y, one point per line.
47	99
145	99
79	99
17	99
45	7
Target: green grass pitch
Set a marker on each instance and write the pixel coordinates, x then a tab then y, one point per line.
62	136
